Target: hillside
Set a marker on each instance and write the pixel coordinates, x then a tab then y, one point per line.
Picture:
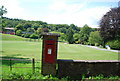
7	37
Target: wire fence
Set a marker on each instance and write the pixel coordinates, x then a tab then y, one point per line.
10	62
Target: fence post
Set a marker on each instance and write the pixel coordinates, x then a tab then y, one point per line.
10	65
33	65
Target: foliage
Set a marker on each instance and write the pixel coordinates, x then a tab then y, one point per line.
74	28
95	38
26	35
62	36
19	27
27	25
24	76
114	44
9	22
105	78
84	33
110	24
34	36
69	36
30	30
3	11
76	38
19	32
39	31
38	76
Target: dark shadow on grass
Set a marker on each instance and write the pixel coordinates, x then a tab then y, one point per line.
5	60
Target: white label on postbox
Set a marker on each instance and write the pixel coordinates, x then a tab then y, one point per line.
49	51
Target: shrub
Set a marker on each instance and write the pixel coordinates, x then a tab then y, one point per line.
34	36
114	44
96	44
26	35
19	32
77	42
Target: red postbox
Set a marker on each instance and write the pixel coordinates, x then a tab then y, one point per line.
49	53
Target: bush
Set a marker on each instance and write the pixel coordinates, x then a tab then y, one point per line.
34	36
19	32
77	42
26	35
96	44
114	44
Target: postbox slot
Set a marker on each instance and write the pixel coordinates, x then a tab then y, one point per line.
49	44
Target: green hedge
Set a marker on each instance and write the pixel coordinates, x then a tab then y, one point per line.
114	44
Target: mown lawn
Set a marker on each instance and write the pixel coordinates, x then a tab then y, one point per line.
15	47
65	51
33	49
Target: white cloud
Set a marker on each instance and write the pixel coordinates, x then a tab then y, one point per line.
60	12
76	14
90	16
13	8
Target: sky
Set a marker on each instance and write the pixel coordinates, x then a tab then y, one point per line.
78	12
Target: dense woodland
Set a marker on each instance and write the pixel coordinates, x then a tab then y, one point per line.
26	29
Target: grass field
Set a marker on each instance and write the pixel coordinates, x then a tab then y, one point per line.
27	49
18	48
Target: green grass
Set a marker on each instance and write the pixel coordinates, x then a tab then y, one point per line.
11	37
16	47
65	51
80	52
28	49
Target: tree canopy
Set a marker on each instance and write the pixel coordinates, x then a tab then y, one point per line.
110	24
95	38
84	33
3	11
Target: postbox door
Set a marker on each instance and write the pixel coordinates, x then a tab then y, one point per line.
49	51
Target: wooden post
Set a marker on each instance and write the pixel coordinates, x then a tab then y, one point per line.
33	65
10	65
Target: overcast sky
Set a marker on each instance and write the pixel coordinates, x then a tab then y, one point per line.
78	12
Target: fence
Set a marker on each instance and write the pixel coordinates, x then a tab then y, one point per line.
22	60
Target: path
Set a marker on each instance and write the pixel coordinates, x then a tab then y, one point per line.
102	49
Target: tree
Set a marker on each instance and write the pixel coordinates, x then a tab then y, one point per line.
27	25
76	37
110	25
2	12
95	38
30	30
84	33
39	31
35	26
69	37
75	28
62	36
34	36
19	32
19	27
